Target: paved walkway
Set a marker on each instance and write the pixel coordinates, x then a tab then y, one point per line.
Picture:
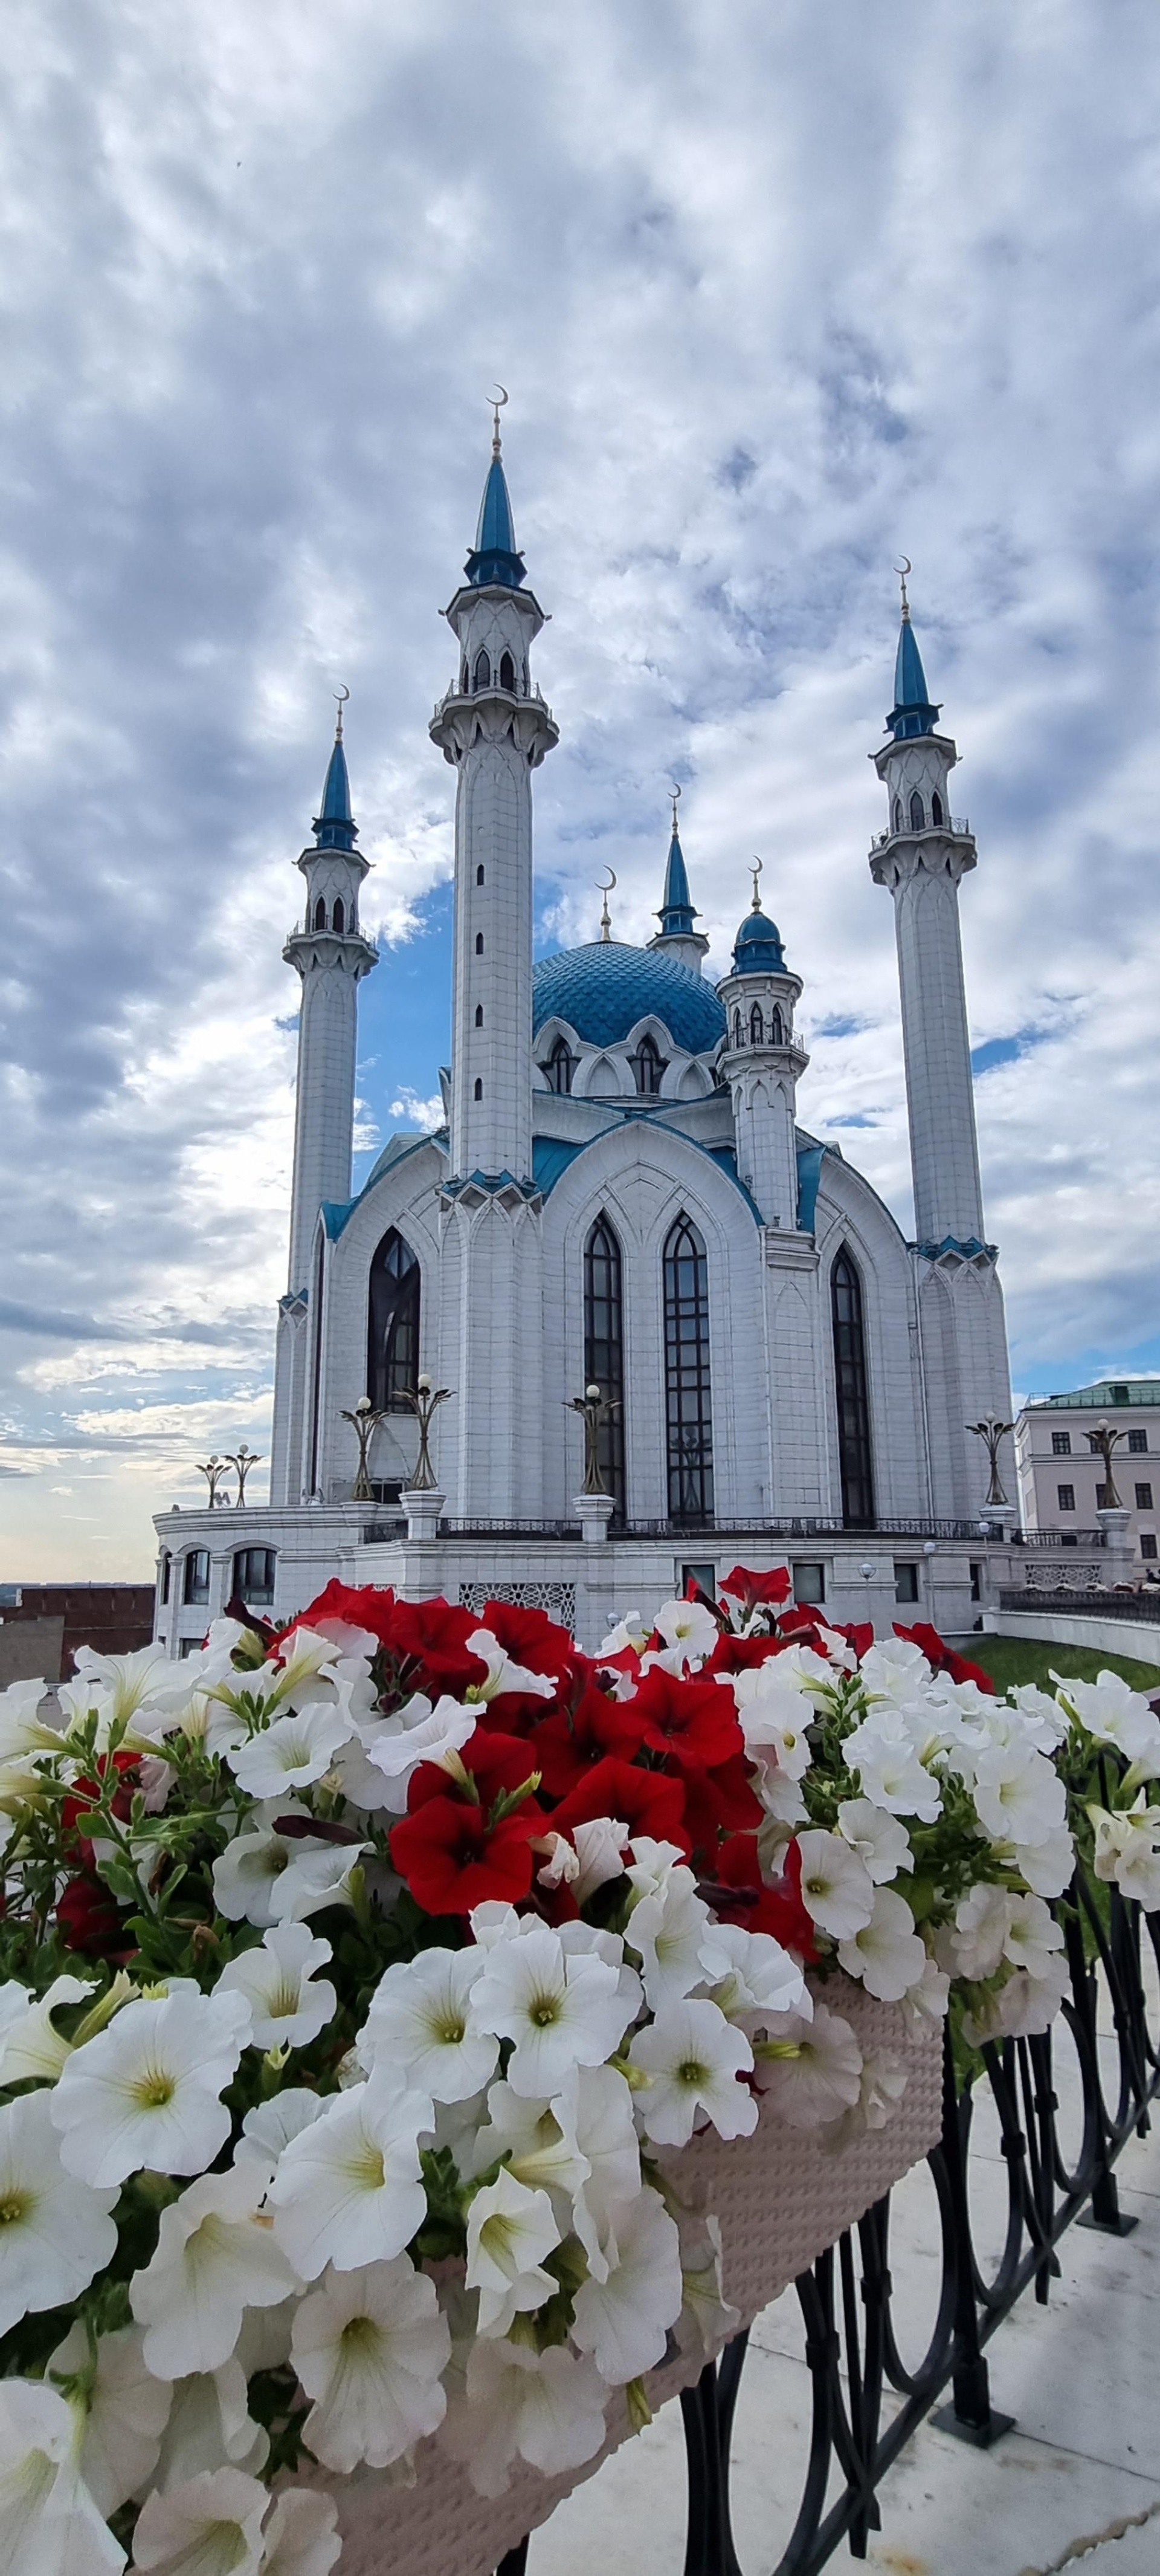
1076	2484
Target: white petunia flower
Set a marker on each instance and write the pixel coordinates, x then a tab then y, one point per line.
927	2001
1033	1935
624	2320
592	1856
31	2048
264	1877
210	2425
1112	1713
886	1954
1045	1720
302	2537
509	2231
880	2091
544	2407
1047	1866
1019	1796
23	1732
774	1719
502	1673
209	2526
667	1930
877	1837
376	1765
707	2319
49	2523
420	2021
215	2257
894	1672
296	1749
632	1631
270	2125
538	2144
823	2079
888	1767
652	1864
692	2057
561	2011
750	1975
974	1947
348	2189
55	2232
689	1626
369	2347
836	1888
146	2092
1030	2003
126	2412
289	2002
1127	1850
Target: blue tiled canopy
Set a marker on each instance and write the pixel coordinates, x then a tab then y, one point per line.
604	989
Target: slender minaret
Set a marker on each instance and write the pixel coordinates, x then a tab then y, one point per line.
331	956
678	913
495	728
921	857
762	1061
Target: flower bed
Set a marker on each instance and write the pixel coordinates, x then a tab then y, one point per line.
404	2013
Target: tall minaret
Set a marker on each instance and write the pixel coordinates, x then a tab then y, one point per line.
762	1061
678	913
331	956
921	857
495	728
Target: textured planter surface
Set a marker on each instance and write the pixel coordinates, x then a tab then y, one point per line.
781	2196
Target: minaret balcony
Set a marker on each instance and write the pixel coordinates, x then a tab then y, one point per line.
955	828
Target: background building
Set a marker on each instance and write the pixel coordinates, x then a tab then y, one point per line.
1061	1479
42	1624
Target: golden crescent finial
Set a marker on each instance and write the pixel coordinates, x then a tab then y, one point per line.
674	793
902	569
605	915
341	696
498	400
755	872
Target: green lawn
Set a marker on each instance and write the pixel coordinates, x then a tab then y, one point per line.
1027	1659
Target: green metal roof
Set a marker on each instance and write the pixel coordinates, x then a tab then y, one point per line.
1108	1395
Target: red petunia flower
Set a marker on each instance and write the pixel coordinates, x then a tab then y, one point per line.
452	1858
721	1801
647	1802
696	1721
858	1633
497	1764
88	1918
741	1654
942	1658
779	1907
751	1588
86	1794
530	1638
569	1744
365	1605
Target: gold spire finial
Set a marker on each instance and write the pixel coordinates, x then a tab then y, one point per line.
499	398
902	569
341	695
755	872
605	916
674	793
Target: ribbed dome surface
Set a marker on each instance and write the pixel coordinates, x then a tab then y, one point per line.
602	990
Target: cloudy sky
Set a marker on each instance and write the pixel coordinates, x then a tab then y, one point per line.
779	292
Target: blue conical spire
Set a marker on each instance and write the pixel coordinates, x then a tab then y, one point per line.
494	556
678	912
335	827
912	712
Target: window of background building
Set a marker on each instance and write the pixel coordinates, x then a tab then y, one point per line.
166	1575
705	1578
809	1583
196	1584
1137	1443
1061	1444
1065	1497
1143	1498
905	1582
1104	1497
254	1574
1148	1543
976	1583
188	1646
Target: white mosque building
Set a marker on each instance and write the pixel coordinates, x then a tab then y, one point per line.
622	1197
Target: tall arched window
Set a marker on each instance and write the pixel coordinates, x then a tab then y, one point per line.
339	913
756	1029
853	1403
479	873
897	818
479	943
482	671
917	813
393	1325
936	808
648	1065
776	1027
737	1028
688	1408
560	1067
479	1015
507	672
478	1092
604	1347
320	914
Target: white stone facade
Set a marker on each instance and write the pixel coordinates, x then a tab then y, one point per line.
793	1379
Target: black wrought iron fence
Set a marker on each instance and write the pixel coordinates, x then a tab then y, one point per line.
1144	1604
866	2400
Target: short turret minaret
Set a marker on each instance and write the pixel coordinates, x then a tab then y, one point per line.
921	857
677	935
494	728
331	956
762	1062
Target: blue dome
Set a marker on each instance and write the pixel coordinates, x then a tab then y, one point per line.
604	989
758	948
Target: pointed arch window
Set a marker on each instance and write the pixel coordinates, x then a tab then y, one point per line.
604	1347
756	1027
854	1454
648	1066
320	914
560	1067
507	673
479	943
776	1027
936	808
339	914
897	817
917	813
688	1402
482	671
393	1324
737	1028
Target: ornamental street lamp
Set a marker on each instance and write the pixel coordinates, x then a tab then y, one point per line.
213	1470
594	1410
241	1460
365	1422
992	1433
1103	1442
423	1400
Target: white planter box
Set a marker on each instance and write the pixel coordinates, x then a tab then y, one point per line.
781	2197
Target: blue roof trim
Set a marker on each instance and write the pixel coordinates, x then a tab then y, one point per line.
912	712
726	1161
969	1250
337	1213
551	1156
678	912
603	989
758	949
809	1171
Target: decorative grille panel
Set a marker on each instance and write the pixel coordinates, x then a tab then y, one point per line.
558	1599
